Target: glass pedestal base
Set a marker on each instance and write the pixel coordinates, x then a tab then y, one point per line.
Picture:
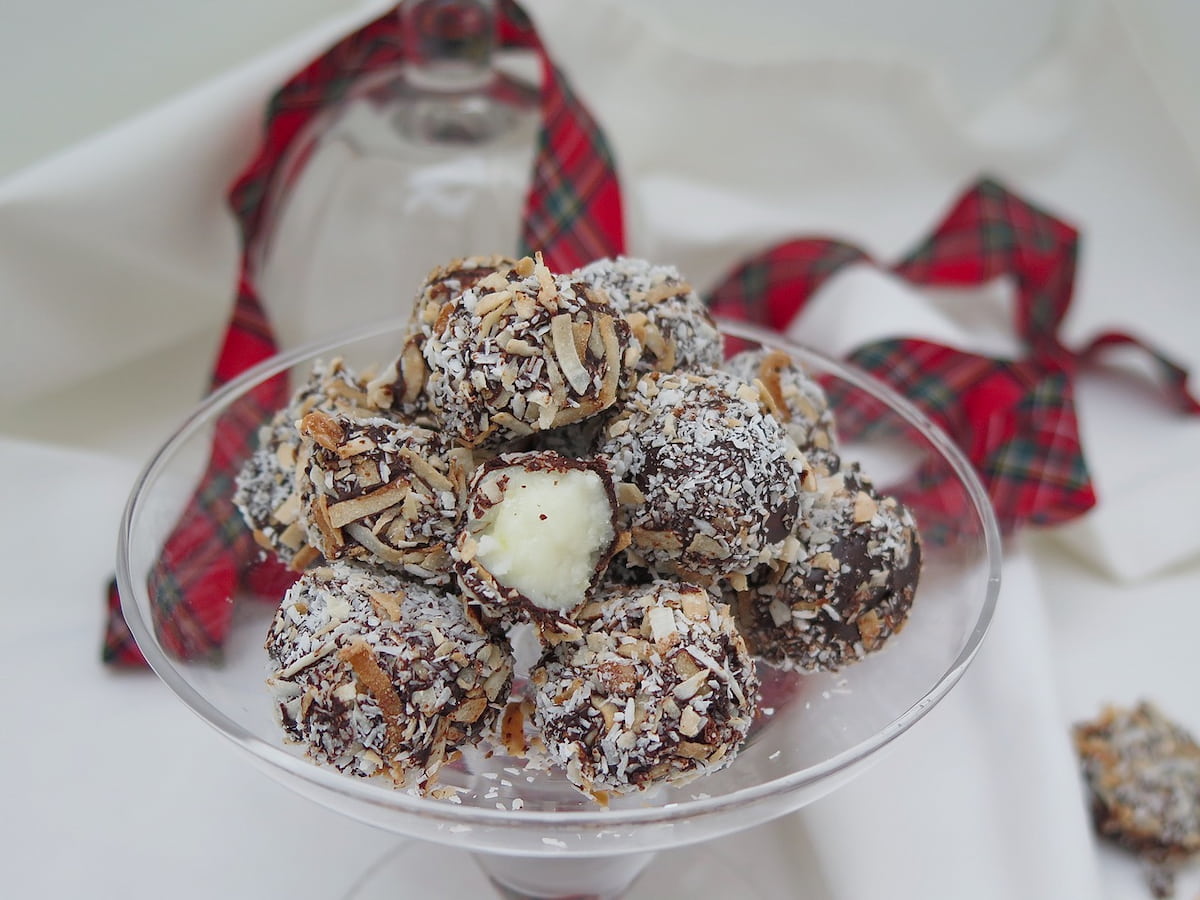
418	869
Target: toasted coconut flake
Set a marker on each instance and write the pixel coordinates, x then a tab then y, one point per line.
612	361
695	605
824	560
512	728
304	557
665	291
285	453
364	536
288	511
488	325
471	710
414	370
386	604
662	625
525	306
497	300
662	540
690	722
630	495
547	290
562	333
355	446
443	317
426	471
865	507
347	511
293	536
323	430
581	331
511	423
870	628
319	509
367	671
518	347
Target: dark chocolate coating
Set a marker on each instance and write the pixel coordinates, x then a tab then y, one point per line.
850	586
376	674
718	477
665	315
659	689
409	484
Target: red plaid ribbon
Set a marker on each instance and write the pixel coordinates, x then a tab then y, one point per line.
1014	418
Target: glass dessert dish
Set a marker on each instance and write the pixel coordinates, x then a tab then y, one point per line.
531	832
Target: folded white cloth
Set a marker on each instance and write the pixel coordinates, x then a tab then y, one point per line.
119	253
130	228
980	800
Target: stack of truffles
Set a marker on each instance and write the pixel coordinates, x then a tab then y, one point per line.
572	455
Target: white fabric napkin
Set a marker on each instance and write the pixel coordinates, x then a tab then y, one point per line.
980	800
131	227
995	756
117	262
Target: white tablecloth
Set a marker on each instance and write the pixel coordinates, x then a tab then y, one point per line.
729	135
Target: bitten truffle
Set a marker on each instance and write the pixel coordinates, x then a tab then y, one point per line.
710	480
523	352
539	532
845	582
659	689
380	675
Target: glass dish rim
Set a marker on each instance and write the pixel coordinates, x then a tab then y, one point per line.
133	594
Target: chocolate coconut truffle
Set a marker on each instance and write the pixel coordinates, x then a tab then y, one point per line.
401	384
522	352
267	494
710	481
846	581
1143	775
659	690
666	316
794	397
539	532
382	491
379	675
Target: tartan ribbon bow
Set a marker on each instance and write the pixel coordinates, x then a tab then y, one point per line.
1015	419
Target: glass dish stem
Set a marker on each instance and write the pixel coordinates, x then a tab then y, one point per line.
563	878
